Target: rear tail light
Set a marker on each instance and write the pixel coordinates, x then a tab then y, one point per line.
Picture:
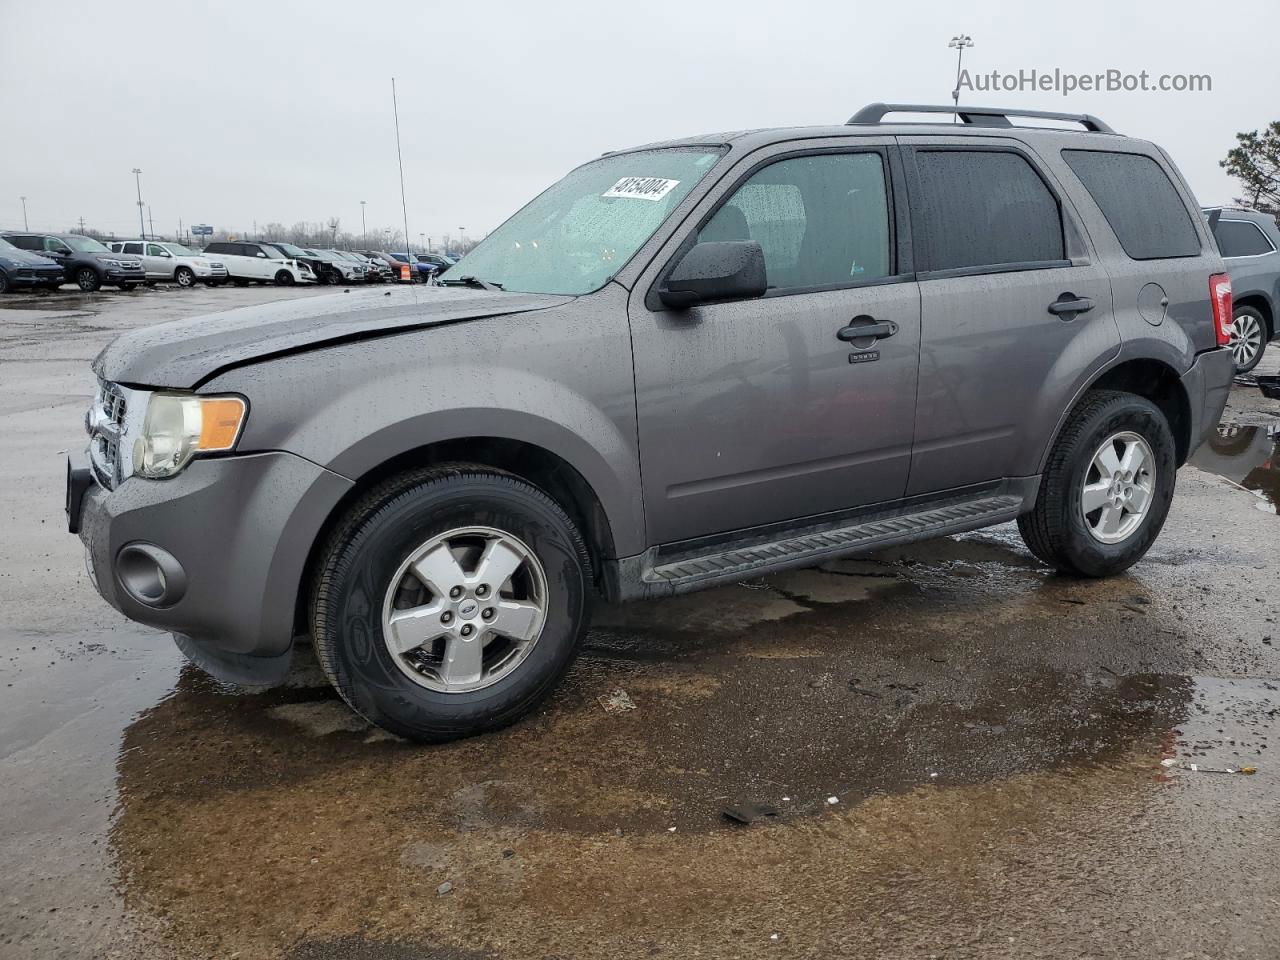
1220	295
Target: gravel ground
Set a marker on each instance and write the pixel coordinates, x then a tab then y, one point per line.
953	752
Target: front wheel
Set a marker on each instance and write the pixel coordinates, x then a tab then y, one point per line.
450	601
284	279
1248	338
87	279
4	282
1107	488
184	277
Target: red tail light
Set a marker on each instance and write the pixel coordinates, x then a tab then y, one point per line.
1220	294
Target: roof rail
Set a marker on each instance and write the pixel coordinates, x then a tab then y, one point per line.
977	116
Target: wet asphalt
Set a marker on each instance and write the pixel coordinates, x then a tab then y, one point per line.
947	750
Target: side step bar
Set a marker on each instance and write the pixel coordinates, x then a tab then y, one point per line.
646	576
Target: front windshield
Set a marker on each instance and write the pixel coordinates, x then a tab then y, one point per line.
84	245
6	246
576	235
178	250
290	250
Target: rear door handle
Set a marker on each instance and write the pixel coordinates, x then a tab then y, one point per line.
867	327
1069	303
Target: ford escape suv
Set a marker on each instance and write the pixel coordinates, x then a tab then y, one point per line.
681	365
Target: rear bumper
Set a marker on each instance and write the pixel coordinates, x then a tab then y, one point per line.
1208	384
236	531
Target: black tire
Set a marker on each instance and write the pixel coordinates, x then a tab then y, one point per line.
333	278
1256	317
87	279
4	282
366	549
1055	530
184	277
284	278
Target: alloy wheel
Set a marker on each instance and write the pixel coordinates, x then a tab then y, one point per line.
465	609
1246	339
1118	487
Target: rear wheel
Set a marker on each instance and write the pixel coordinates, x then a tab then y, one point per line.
87	279
1107	487
4	282
184	277
284	278
450	601
1248	338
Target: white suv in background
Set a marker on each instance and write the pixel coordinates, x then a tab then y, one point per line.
173	261
258	263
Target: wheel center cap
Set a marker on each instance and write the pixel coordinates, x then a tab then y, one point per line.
467	609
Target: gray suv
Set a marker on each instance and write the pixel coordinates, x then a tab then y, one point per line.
1250	244
683	364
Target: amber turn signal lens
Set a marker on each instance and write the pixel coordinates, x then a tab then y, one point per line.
220	419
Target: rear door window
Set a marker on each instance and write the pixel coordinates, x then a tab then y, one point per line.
135	248
1139	201
1241	238
26	243
821	220
983	208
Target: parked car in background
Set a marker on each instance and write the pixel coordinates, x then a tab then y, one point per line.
370	274
390	262
1250	245
377	270
173	261
21	270
85	261
808	342
258	263
318	267
423	270
441	261
344	271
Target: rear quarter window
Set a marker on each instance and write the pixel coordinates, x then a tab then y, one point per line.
1241	238
1139	201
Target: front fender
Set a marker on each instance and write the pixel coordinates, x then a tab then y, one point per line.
560	379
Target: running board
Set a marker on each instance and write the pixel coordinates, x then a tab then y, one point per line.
640	577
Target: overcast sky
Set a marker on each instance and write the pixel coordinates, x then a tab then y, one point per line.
273	111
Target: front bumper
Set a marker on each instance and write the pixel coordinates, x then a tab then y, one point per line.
240	530
1207	384
36	277
121	275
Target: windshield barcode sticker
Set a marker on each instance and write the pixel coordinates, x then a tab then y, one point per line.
641	188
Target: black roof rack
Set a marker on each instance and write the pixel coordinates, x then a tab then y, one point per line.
977	116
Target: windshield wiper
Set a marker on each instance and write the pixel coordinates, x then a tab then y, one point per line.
470	281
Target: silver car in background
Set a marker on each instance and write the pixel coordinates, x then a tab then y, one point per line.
172	261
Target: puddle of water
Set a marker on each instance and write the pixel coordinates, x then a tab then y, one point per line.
1249	457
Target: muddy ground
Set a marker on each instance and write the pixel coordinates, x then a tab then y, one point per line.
962	750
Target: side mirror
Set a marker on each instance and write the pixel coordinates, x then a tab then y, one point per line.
722	270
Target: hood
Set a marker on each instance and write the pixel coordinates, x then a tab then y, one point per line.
26	258
183	353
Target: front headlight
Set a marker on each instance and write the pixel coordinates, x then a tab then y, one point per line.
180	425
112	263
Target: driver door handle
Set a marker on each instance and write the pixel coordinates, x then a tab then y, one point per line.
867	327
1069	303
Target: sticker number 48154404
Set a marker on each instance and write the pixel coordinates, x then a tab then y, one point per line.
641	188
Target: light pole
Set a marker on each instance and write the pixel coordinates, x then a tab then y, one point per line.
364	230
462	236
24	213
137	179
959	42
